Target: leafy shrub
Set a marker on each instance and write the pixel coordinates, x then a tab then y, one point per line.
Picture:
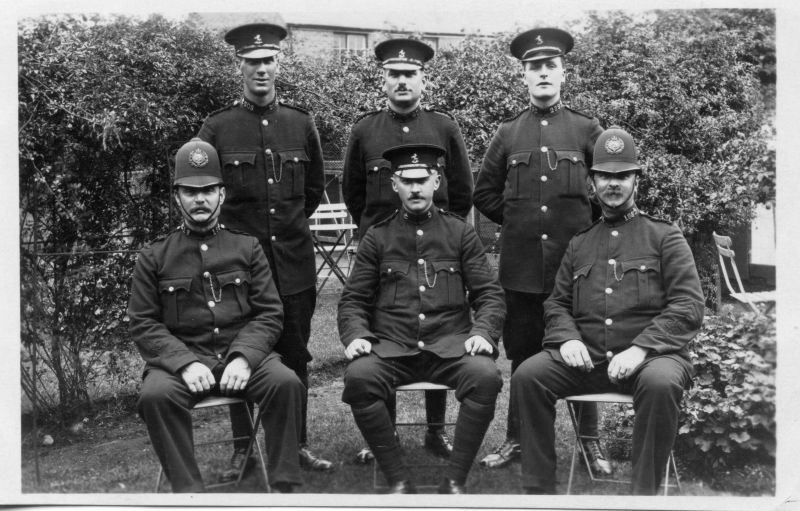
729	414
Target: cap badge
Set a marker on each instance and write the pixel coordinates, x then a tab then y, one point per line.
538	40
614	145
198	158
402	54
257	39
414	158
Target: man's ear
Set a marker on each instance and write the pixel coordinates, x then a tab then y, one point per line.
394	183
221	195
436	181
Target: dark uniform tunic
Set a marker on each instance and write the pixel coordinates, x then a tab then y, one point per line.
367	185
407	295
209	299
624	283
533	182
406	292
273	172
272	167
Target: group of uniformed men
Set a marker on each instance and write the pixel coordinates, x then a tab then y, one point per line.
224	303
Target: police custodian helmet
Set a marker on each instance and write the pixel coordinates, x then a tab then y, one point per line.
197	165
615	152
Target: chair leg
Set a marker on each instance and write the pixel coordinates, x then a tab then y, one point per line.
572	465
256	422
159	478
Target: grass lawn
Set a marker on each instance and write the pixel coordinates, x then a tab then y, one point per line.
113	454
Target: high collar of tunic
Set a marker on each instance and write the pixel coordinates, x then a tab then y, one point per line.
260	110
418	218
547	111
621	218
198	235
404	117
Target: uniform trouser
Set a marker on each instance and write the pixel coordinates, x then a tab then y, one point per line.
293	348
523	332
657	387
165	405
370	381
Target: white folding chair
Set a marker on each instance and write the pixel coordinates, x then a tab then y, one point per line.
574	413
332	233
726	253
214	401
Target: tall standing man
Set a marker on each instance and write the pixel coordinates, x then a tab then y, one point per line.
533	183
367	185
626	303
421	304
272	164
205	315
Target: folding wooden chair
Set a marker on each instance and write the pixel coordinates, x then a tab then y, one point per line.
574	414
415	387
214	401
726	253
331	227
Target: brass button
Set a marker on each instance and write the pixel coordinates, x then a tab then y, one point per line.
544	178
271	211
544	237
268	151
612	261
609	290
203	247
544	122
544	209
211	304
405	129
216	330
609	321
236	162
270	181
206	274
171	289
238	280
272	238
513	162
375	168
420	261
295	159
615	233
643	267
544	149
421	289
421	344
265	122
419	232
422	316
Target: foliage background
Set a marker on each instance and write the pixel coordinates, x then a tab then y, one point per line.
104	101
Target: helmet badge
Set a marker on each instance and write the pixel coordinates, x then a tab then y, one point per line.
401	54
614	145
539	40
198	158
414	158
257	39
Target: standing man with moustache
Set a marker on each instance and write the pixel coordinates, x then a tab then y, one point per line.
272	164
367	184
533	183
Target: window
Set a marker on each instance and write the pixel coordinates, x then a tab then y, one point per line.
349	42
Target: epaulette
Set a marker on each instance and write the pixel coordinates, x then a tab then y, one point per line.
442	112
450	213
656	219
366	115
584	114
386	220
509	119
224	108
589	228
295	107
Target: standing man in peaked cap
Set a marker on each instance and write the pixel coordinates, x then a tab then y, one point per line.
205	315
533	183
405	316
627	300
271	160
367	185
